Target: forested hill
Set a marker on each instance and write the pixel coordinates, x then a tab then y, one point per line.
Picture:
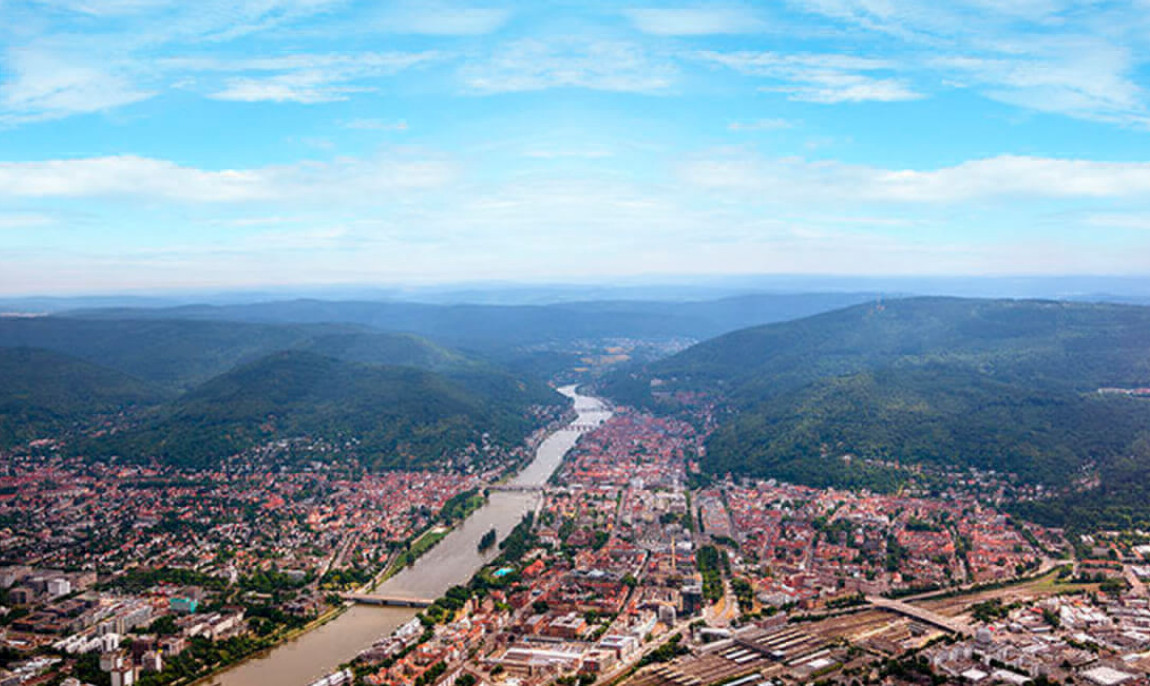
43	393
1006	385
180	353
194	392
399	417
1068	345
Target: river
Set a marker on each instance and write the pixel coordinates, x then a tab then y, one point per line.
453	561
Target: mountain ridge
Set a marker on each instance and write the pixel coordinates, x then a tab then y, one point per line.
1004	385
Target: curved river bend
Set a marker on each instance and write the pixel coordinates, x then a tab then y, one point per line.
453	561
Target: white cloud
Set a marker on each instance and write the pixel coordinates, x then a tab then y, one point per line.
993	178
819	78
695	21
530	65
43	86
829	89
302	87
929	21
1087	78
439	19
226	20
122	56
308	78
128	176
1077	58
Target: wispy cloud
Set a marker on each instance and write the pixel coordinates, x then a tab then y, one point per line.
304	78
44	86
531	65
1078	59
696	21
1083	78
129	176
819	78
431	18
993	178
124	55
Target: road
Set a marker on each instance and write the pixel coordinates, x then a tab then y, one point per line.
951	624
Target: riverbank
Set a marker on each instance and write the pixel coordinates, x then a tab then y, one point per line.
286	637
425	541
422	543
453	560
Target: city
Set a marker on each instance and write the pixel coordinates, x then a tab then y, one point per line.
574	343
631	568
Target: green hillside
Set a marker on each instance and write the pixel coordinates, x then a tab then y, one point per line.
1057	344
176	354
396	349
1004	385
43	393
400	416
226	386
181	354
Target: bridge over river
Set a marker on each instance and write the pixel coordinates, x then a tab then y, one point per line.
387	600
515	488
452	561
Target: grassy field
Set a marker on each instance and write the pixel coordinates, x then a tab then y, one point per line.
419	546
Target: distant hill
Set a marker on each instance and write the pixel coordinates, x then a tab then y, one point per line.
182	353
395	349
173	353
43	393
402	417
202	390
501	326
1005	385
1069	345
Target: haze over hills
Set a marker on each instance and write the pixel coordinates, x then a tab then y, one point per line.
181	353
480	326
188	355
1004	385
995	384
398	417
43	392
667	289
198	391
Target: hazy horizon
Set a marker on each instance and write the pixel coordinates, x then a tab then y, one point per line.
670	289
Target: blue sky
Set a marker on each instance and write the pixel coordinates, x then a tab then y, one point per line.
161	144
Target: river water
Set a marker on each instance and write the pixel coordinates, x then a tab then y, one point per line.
453	561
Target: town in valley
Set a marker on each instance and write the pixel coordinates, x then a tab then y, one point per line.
633	567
